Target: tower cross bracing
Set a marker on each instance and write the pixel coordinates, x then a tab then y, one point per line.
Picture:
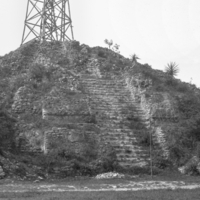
48	20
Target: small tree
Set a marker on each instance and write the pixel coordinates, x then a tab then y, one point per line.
172	69
116	48
134	59
109	43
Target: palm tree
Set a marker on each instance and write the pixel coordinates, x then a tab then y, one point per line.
134	59
172	69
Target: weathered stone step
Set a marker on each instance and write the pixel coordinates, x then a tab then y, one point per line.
139	163
115	103
114	130
131	135
93	85
104	86
127	104
120	138
106	89
132	142
132	160
130	147
128	117
131	156
103	81
123	125
119	107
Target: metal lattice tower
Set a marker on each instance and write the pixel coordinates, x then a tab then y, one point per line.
48	20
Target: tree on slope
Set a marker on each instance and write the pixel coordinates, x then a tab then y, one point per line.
109	43
172	69
134	59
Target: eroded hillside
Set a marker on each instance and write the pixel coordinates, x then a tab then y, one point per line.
90	108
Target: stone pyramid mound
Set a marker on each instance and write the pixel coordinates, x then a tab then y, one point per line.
73	96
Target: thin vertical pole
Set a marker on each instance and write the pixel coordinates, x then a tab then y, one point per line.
61	24
70	21
52	20
42	33
151	161
64	11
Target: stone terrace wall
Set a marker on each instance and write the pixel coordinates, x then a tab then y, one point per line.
53	110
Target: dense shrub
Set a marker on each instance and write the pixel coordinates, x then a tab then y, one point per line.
63	159
135	124
7	131
64	61
37	72
144	138
102	54
182	88
159	161
29	48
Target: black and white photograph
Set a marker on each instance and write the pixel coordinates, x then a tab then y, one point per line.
100	99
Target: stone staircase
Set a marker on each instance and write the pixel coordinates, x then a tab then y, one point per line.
119	118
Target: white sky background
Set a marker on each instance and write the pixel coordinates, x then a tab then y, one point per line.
158	31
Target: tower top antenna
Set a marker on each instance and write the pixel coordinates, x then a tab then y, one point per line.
48	20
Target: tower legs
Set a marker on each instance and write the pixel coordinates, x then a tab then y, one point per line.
48	20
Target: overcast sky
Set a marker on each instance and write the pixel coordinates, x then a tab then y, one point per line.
158	31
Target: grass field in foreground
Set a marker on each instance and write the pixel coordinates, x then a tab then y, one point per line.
163	194
138	195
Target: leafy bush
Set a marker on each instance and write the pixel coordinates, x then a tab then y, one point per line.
63	61
105	161
102	54
198	149
182	88
171	82
178	154
7	131
29	48
63	159
159	161
18	82
75	45
37	72
144	138
135	123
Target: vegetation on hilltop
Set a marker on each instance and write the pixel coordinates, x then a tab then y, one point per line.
134	58
172	69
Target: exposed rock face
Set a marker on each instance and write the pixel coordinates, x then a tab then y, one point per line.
190	166
22	100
